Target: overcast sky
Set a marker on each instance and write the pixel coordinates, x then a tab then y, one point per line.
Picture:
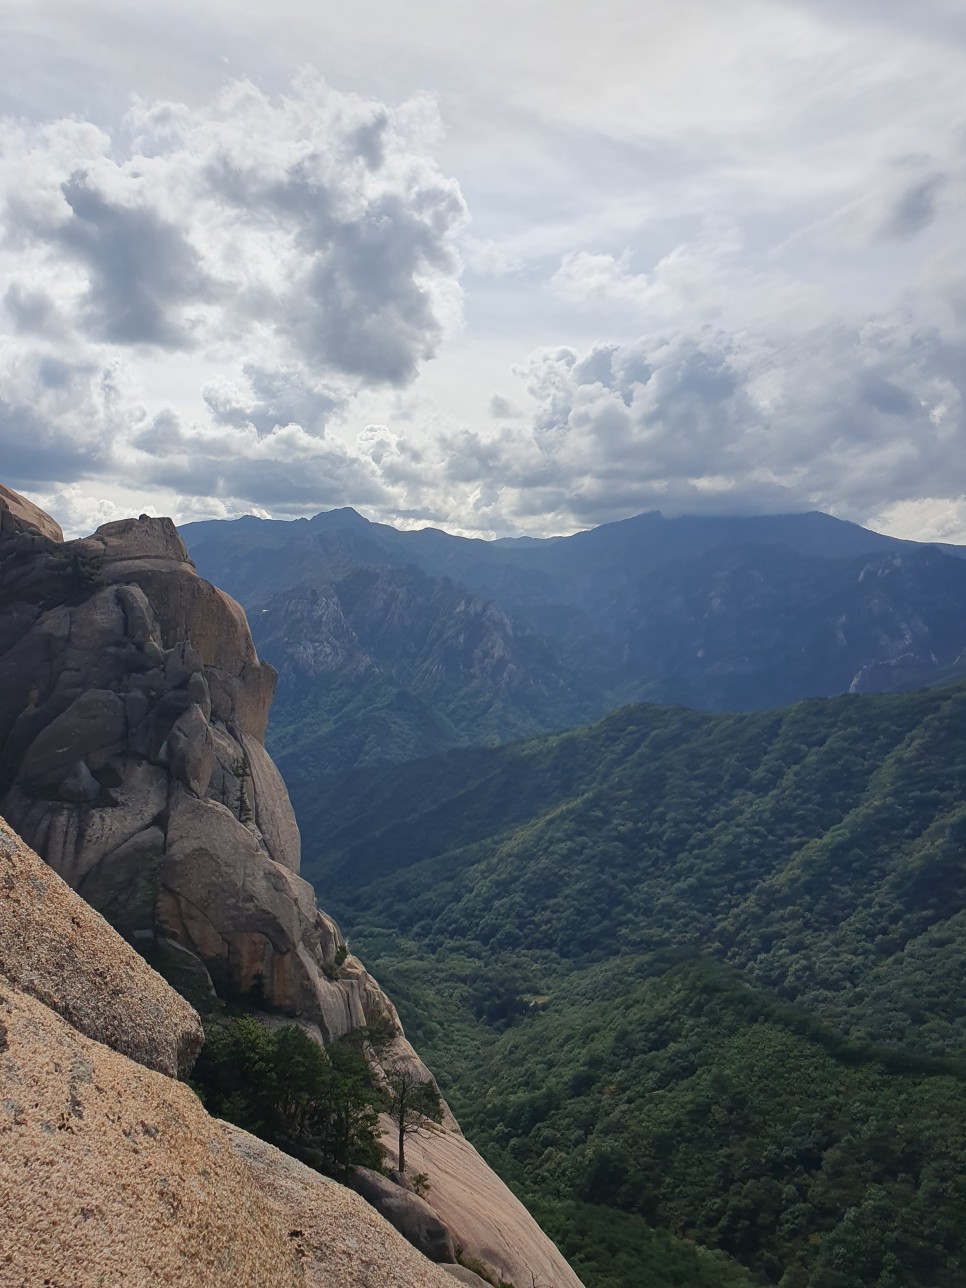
505	267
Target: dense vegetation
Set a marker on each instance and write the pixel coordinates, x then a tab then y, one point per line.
277	1083
700	970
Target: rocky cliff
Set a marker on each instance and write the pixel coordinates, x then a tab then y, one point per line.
132	712
111	1172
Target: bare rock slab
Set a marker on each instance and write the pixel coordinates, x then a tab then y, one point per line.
58	949
112	1174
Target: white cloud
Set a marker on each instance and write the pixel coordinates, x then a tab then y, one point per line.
298	246
833	417
226	296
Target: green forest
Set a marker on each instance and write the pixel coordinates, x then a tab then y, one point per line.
690	981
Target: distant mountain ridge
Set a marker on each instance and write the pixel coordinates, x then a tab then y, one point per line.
427	640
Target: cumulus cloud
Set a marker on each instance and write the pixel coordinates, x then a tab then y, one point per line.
294	249
737	243
833	417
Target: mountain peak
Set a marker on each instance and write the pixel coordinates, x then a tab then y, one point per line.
345	517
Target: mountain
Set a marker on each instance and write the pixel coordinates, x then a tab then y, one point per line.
132	711
704	970
394	645
391	663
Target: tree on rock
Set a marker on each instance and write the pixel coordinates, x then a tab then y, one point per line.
413	1104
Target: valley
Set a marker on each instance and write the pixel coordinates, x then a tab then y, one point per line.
689	974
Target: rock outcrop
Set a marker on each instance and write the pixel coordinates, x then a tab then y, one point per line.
17	514
114	1174
486	1220
412	1216
58	949
132	712
110	1171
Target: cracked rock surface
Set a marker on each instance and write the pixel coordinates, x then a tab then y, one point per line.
132	713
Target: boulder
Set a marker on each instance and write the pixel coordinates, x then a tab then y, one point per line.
414	1218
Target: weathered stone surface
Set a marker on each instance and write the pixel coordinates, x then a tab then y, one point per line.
80	787
190	750
465	1276
412	1216
273	813
485	1218
132	711
132	707
75	839
112	1174
92	729
17	513
343	1241
55	947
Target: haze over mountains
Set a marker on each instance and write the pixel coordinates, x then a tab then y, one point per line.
395	644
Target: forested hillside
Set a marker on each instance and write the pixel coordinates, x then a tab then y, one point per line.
701	970
690	979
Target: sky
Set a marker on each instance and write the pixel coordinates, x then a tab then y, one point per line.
500	268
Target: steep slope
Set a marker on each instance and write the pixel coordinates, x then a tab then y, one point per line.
704	970
111	1172
132	710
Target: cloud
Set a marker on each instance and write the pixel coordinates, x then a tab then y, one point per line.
266	399
284	469
834	417
730	241
287	251
914	207
505	408
141	269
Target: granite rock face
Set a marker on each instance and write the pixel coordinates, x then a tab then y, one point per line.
132	712
412	1216
483	1216
342	1241
110	1171
17	511
60	951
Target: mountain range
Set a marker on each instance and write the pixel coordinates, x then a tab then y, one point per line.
394	644
689	969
